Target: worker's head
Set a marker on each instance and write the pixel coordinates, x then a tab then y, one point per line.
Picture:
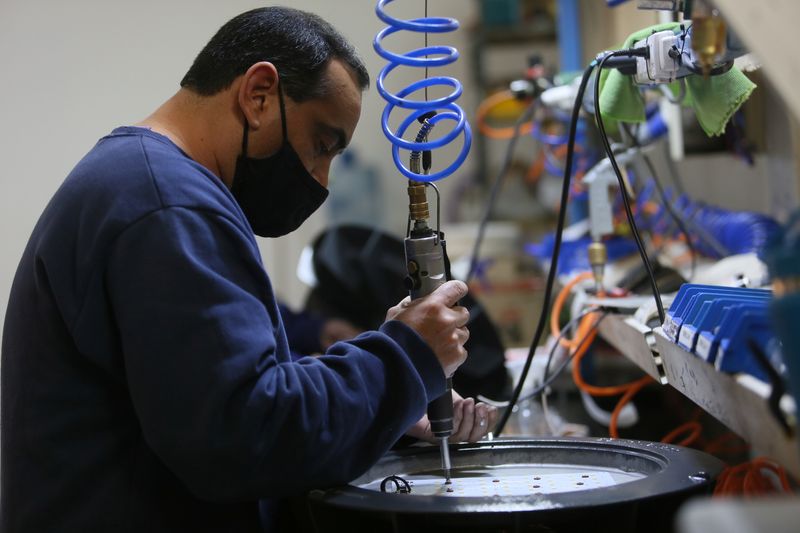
299	44
294	85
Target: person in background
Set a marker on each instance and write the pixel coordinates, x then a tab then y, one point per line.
147	382
311	334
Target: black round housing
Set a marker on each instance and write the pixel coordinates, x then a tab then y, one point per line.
586	485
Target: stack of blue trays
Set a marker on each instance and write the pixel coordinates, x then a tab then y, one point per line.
719	323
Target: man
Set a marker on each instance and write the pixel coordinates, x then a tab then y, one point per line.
147	383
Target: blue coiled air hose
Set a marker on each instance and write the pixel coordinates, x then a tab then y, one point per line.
445	107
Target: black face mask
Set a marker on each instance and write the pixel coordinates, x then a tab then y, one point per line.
276	193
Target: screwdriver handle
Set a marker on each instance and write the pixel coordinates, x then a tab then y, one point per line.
440	413
424	264
426	272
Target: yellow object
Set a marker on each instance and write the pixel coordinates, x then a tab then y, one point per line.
501	105
708	40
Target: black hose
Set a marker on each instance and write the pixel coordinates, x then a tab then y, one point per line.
622	188
551	275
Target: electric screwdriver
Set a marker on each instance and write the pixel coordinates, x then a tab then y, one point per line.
425	261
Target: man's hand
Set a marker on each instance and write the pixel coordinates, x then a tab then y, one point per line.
471	422
439	322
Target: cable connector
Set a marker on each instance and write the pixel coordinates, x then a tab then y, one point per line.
637	51
651	61
422	136
640	51
626	61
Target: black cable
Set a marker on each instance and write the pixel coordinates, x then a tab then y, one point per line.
623	190
551	275
548	379
704	234
701	233
665	202
671	210
673	171
563	332
496	186
400	485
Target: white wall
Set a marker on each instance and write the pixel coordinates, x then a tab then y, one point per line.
71	71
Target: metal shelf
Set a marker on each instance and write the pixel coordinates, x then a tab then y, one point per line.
635	341
739	402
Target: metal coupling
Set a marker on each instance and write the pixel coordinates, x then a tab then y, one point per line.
417	201
708	36
598	257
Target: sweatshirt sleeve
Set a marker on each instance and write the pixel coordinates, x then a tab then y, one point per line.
303	330
218	398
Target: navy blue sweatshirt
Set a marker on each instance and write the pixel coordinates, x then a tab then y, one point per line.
303	331
147	383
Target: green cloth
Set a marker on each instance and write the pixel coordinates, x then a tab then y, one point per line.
714	100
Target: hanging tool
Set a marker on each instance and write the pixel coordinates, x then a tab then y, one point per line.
426	258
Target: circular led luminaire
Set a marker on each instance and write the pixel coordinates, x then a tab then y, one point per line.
521	485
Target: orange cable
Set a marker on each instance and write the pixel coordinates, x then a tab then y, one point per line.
555	313
763	462
749	479
581	342
726	443
693	428
488	104
536	169
632	390
593	389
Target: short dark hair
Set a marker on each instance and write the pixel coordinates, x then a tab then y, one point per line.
299	44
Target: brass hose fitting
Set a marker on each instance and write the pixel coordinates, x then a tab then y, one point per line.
417	201
598	257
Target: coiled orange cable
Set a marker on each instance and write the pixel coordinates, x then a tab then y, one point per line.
749	479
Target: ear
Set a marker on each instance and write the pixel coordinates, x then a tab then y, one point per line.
258	88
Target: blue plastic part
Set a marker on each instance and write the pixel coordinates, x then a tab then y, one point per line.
732	232
585	157
709	315
681	305
557	140
445	107
654	128
734	354
709	340
574	256
569	35
719	324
